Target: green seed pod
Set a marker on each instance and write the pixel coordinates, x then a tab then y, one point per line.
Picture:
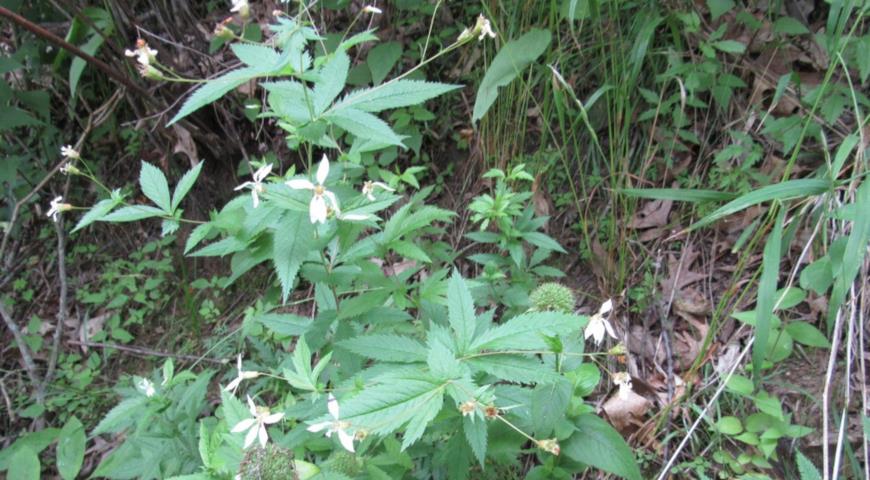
552	297
270	463
345	463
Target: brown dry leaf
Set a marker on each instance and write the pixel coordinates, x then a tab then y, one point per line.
626	414
653	214
541	202
185	145
91	327
690	301
680	273
602	265
399	267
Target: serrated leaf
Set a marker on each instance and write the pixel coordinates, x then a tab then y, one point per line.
510	60
476	436
256	56
119	417
364	125
132	213
597	444
333	76
385	407
291	242
215	89
196	235
424	414
154	186
221	247
460	311
185	184
526	331
71	448
549	403
387	348
285	324
513	368
543	241
442	361
97	212
395	94
806	469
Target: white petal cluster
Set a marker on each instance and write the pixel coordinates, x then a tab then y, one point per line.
56	207
68	152
318	208
256	426
335	425
598	325
369	187
241	374
256	185
623	381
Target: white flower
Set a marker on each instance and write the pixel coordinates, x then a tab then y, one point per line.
256	426
335	425
484	28
372	9
623	380
242	7
368	189
68	168
56	207
317	210
242	375
69	152
598	325
146	386
144	54
257	185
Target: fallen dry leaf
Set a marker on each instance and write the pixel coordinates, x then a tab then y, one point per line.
653	214
626	414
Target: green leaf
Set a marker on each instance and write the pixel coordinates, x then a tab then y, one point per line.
597	444
424	414
215	89
789	26
285	324
769	404
394	94
460	310
526	331
514	368
331	82
97	212
400	396
729	46
853	255
740	385
256	56
789	297
766	293
120	417
291	242
382	59
719	7
510	61
36	442
780	191
678	194
185	184
806	469
154	186
71	448
476	436
362	303
807	334
729	426
543	241
133	213
24	465
386	348
221	247
549	402
364	125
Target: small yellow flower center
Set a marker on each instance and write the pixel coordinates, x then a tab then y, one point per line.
319	189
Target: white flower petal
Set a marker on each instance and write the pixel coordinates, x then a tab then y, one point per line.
264	437
317	427
273	418
322	170
609	329
606	307
346	440
333	200
232	386
300	184
256	197
244	425
317	209
262	173
332	406
251	407
251	436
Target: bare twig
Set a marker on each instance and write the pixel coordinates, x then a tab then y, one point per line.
26	356
62	305
147	352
